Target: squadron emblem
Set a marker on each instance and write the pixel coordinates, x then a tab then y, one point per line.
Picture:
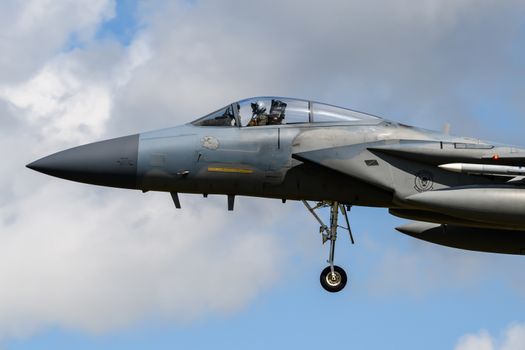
424	181
210	142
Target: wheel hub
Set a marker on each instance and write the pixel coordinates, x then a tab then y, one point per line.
333	279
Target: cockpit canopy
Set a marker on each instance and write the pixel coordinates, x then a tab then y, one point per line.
261	111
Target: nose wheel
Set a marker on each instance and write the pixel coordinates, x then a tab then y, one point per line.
333	281
333	278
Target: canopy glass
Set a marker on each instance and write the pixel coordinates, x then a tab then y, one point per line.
261	111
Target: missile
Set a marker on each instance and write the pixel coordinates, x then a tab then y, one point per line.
484	169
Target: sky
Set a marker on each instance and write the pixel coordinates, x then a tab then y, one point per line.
87	267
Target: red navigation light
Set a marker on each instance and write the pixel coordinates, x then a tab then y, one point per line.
495	157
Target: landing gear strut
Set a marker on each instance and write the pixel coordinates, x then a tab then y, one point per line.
333	278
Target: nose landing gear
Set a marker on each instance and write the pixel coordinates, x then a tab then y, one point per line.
333	278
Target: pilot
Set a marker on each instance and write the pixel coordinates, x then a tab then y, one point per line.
259	117
276	115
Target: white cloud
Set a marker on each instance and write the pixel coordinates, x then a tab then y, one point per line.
479	341
33	31
71	97
513	339
65	105
418	58
99	261
95	260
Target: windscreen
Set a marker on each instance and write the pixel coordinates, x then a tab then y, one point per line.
222	117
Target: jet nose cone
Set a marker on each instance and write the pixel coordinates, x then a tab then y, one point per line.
33	166
107	163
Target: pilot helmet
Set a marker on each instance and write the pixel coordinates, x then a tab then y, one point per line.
258	107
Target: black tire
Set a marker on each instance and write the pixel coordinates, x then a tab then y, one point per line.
333	285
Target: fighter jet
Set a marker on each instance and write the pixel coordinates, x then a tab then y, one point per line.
459	192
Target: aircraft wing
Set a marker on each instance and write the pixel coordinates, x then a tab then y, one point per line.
364	160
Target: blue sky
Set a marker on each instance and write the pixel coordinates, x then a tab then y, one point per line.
114	68
124	25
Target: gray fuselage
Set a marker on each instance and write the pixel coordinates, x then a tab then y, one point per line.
356	159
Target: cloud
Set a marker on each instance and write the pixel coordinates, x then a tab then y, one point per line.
422	62
95	259
35	30
64	103
90	259
479	341
512	339
71	98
